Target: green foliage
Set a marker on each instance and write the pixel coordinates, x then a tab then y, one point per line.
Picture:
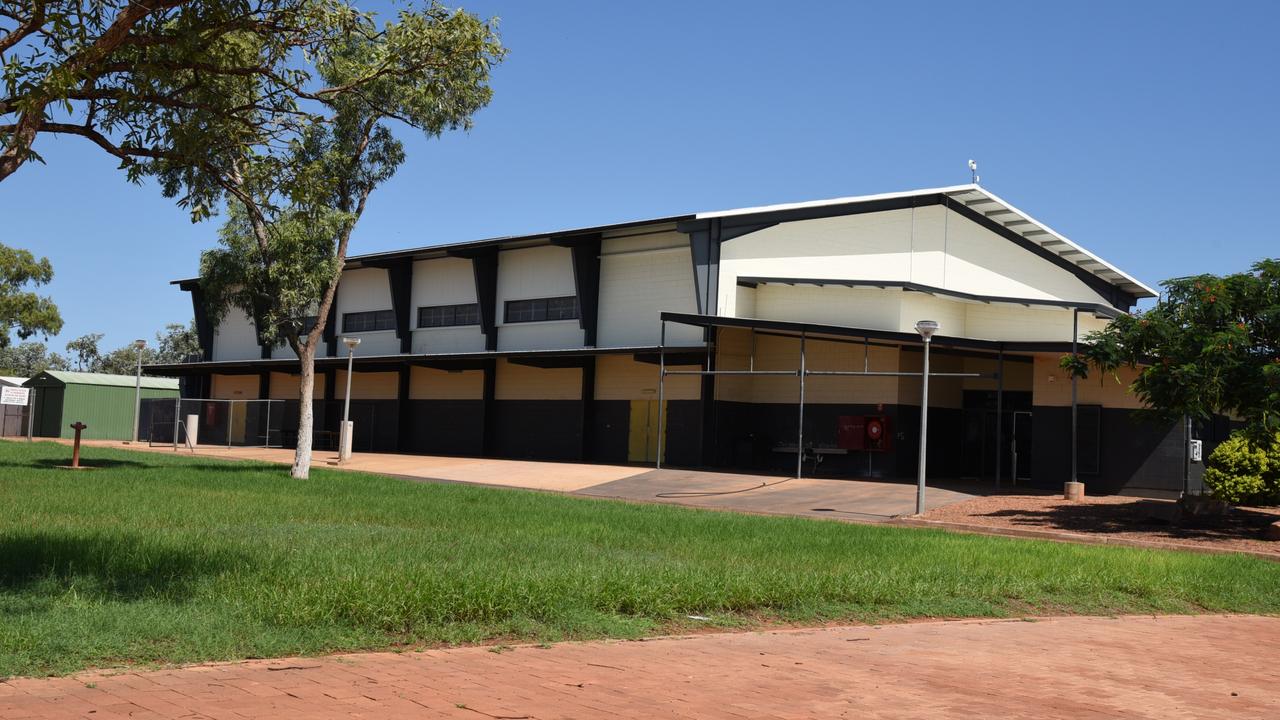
1243	472
1211	345
22	311
183	559
84	350
30	358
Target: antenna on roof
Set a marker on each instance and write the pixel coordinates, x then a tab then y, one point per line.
973	171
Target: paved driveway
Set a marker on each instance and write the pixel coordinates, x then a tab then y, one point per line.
857	500
1078	667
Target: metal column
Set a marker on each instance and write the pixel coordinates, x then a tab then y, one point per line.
1075	334
1000	416
800	431
662	382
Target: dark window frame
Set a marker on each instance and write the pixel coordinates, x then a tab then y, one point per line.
456	315
368	321
546	309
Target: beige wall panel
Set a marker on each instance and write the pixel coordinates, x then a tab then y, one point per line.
944	392
285	386
235	387
641	277
367	386
781	353
364	290
1017	375
950	314
851	307
432	384
619	377
235	338
1052	386
521	382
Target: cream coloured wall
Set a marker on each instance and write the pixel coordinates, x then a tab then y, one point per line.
1008	322
367	386
285	387
783	353
830	305
444	281
642	276
234	387
930	246
537	272
1051	386
521	382
363	290
236	338
432	384
619	377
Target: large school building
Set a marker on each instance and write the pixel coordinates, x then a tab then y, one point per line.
549	345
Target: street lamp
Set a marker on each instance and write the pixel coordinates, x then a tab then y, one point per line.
344	438
137	389
926	328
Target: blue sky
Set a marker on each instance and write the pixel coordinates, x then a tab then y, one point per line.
1146	132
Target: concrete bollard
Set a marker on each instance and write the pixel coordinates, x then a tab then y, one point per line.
1073	491
193	429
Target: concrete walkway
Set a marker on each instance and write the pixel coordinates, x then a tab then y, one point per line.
1166	667
853	500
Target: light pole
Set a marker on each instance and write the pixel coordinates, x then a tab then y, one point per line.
926	328
137	389
344	437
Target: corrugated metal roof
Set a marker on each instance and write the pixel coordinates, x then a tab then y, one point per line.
12	381
84	378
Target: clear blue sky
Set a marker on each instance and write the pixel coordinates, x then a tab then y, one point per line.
1147	132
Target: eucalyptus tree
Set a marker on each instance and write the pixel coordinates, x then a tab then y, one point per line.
296	187
22	311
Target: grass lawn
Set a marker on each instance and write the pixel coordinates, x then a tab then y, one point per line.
159	558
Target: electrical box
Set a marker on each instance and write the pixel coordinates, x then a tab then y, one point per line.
1196	450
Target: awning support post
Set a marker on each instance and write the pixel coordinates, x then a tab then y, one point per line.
1000	416
800	429
662	383
1075	452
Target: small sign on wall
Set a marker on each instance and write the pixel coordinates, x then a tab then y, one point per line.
14	395
1197	450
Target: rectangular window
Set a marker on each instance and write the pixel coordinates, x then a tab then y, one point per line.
449	315
539	309
368	321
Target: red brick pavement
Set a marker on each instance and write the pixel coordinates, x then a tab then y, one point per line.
1166	667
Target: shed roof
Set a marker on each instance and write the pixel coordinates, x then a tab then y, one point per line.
11	380
84	378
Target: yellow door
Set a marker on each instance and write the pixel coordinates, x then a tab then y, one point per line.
642	439
239	418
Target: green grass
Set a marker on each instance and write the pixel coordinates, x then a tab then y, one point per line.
157	558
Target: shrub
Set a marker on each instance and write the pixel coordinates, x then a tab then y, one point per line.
1244	474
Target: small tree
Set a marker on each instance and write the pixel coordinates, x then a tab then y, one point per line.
85	351
22	311
30	358
295	199
1210	345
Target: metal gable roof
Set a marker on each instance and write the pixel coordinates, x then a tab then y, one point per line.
86	378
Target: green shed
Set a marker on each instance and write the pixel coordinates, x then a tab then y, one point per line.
102	402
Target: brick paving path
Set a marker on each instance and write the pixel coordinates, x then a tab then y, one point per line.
1167	667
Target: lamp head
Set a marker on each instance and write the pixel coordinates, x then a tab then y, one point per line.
926	328
351	342
139	344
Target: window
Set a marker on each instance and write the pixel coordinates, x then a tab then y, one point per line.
309	323
368	321
449	315
538	309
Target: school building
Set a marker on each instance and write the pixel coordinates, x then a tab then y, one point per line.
549	346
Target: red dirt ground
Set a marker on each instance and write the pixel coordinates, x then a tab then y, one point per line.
1073	667
1115	517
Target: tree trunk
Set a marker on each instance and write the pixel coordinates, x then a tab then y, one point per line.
302	455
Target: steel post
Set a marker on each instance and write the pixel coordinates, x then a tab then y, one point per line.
924	429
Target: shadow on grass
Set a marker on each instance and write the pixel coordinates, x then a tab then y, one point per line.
85	462
120	566
1147	516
